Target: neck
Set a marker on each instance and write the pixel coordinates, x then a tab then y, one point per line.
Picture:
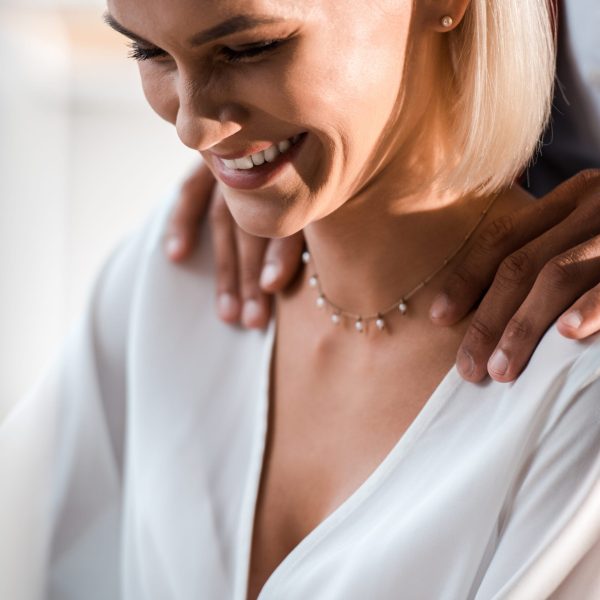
375	249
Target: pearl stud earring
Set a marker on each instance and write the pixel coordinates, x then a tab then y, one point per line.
447	21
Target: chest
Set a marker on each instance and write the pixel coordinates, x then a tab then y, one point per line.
329	427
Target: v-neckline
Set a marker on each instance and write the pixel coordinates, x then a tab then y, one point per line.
434	403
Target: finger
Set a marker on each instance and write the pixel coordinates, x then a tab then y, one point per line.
561	281
514	281
475	270
256	309
583	318
282	261
194	198
225	252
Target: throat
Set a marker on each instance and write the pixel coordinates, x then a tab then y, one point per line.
376	273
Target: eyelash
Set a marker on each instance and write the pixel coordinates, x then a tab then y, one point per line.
140	53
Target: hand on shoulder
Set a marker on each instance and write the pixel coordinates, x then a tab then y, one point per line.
531	267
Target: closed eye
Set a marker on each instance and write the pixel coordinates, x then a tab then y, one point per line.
138	52
230	55
233	55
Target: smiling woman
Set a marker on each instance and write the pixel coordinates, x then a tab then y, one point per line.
338	454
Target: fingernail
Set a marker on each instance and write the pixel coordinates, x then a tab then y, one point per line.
251	313
439	308
174	245
228	306
573	319
269	274
465	363
498	363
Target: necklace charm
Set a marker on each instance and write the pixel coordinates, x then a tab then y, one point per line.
361	321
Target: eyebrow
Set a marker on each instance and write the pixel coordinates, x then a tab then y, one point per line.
228	27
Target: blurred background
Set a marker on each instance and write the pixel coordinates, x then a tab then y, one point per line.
82	161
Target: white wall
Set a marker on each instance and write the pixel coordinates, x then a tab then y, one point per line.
82	159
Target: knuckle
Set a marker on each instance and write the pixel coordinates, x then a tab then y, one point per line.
590	176
516	269
226	269
249	269
226	265
518	330
459	279
587	187
249	279
497	233
480	333
561	272
592	299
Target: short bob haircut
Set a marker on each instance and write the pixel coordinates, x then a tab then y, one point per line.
491	102
503	67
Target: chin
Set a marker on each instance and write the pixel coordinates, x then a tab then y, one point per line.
268	228
266	221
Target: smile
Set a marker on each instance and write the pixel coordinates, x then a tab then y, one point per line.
257	169
269	155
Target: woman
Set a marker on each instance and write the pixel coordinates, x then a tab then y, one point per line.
253	268
339	455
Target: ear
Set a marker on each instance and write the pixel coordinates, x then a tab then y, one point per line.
443	15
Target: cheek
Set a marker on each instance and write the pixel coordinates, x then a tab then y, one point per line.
159	89
346	104
343	93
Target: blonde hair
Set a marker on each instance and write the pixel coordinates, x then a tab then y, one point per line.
502	59
480	124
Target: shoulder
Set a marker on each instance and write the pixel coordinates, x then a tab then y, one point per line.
558	464
563	367
112	295
560	352
138	267
558	371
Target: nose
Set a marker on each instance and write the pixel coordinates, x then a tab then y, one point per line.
203	117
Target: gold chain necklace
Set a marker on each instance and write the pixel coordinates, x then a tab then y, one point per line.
361	321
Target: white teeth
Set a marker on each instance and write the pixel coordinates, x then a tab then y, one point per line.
271	153
285	145
244	163
258	158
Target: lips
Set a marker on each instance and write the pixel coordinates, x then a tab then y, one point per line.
259	168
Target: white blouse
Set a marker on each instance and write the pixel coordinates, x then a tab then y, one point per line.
131	471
